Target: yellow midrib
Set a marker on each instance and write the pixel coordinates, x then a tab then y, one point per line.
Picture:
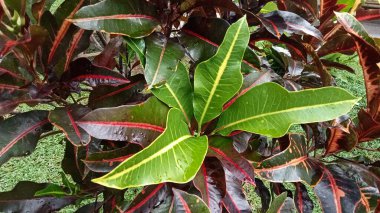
219	75
179	103
279	112
148	159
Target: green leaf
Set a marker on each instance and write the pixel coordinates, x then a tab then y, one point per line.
175	156
218	79
52	190
162	57
138	46
133	18
269	109
177	92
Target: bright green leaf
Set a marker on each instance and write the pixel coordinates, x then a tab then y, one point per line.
177	92
175	156
270	110
218	79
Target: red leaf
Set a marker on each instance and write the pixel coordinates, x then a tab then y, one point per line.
147	200
210	181
367	14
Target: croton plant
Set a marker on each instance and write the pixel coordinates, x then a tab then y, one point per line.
190	100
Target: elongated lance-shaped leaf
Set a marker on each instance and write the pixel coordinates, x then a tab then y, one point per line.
133	18
218	79
336	191
22	199
277	203
162	58
235	200
302	199
148	199
65	118
211	182
175	156
177	92
105	161
140	123
270	110
20	134
188	203
138	46
292	164
223	149
369	56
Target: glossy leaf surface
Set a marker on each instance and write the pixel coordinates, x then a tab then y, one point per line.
22	199
218	79
65	120
292	164
266	118
147	200
162	58
211	182
336	191
175	156
140	123
20	134
131	18
177	92
185	202
235	200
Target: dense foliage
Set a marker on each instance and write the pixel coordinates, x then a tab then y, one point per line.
190	99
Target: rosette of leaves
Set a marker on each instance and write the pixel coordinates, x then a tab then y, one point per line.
190	100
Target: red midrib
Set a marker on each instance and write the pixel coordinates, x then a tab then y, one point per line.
119	17
62	32
219	152
99	77
185	206
72	121
117	91
23	134
73	46
146	198
204	171
125	124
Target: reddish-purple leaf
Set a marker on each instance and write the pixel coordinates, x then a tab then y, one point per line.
65	120
235	200
341	136
369	56
302	199
326	5
63	30
78	43
187	203
339	44
292	164
20	134
223	149
107	57
337	192
211	182
337	65
105	161
208	40
140	123
367	14
368	129
109	96
22	199
280	22
82	70
151	198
